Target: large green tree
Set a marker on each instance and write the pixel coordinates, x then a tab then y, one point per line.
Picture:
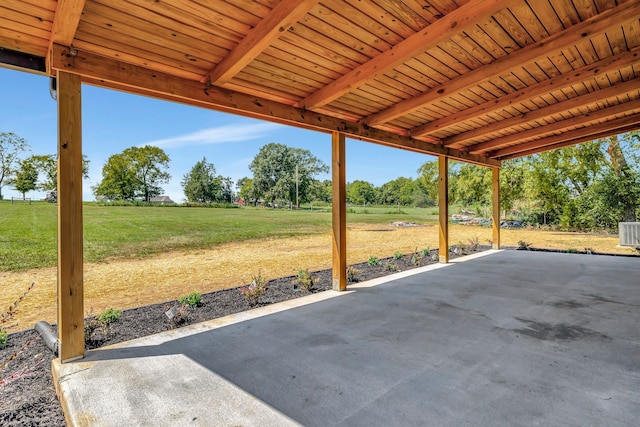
399	190
274	173
360	192
25	177
136	173
201	184
11	146
47	167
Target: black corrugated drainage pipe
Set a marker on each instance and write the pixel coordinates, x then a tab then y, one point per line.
48	335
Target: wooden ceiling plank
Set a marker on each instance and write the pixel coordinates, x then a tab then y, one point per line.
182	17
124	28
23	43
111	73
146	53
564	80
66	20
549	147
531	53
556	108
554	127
283	16
588	133
460	19
37	12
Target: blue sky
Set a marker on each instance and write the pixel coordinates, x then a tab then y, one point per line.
113	121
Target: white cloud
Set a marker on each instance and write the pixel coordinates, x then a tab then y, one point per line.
218	135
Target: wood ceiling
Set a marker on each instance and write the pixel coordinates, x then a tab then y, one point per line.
475	80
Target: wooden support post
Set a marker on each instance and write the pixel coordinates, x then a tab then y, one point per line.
495	185
70	278
339	211
443	208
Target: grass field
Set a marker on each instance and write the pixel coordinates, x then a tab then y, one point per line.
142	255
28	238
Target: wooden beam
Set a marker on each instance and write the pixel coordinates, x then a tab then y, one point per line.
591	137
70	275
110	73
65	22
284	15
544	48
569	104
564	80
339	212
495	204
464	17
612	127
443	209
626	107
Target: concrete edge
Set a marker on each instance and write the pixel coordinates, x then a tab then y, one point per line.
55	369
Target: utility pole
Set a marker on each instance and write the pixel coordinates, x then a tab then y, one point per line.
297	203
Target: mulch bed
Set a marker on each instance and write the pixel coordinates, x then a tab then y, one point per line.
27	394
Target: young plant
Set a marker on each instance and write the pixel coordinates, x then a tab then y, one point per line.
416	257
474	242
398	255
110	315
304	280
425	252
373	261
253	291
352	274
572	251
524	245
7	316
4	337
194	299
390	266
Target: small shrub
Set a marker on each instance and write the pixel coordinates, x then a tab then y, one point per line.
194	299
572	251
459	249
304	280
416	257
110	315
474	242
373	261
254	290
524	245
4	337
398	255
352	274
390	266
425	252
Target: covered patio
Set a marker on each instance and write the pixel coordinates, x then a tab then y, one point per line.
510	338
498	338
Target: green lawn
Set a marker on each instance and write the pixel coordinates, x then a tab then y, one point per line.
28	232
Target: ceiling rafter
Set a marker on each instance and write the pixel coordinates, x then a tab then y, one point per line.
542	49
568	104
65	21
460	19
591	137
588	133
284	15
622	108
559	82
111	73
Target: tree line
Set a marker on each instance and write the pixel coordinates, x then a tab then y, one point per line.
589	186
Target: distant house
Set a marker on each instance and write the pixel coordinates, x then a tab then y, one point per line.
162	200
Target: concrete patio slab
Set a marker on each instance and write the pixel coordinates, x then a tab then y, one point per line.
510	338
